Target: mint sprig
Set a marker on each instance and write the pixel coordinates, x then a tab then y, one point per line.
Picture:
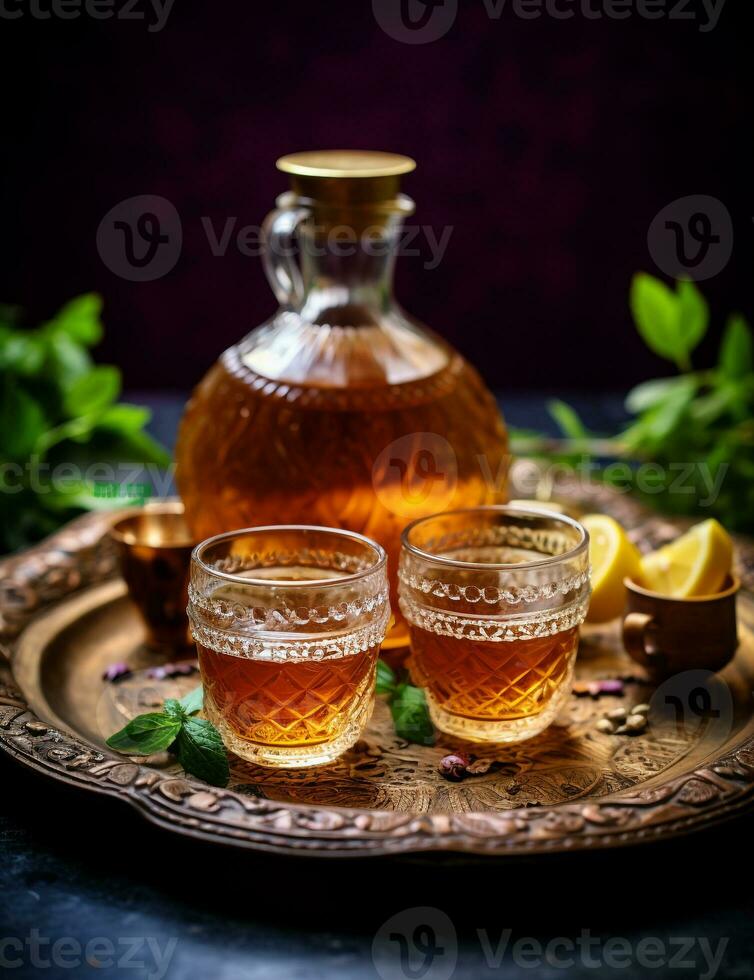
408	706
195	742
58	407
695	429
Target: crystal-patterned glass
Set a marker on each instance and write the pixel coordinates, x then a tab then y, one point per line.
288	623
494	598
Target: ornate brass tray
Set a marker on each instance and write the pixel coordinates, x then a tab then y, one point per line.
64	617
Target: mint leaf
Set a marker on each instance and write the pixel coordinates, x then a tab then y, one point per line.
653	428
93	391
140	447
193	702
709	408
655	311
22	352
174	709
567	419
22	420
386	680
693	313
146	734
670	323
411	715
201	752
80	319
737	348
124	418
67	360
651	393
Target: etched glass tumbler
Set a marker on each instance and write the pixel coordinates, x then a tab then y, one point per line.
288	623
494	597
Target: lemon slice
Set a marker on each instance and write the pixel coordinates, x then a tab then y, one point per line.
613	558
695	564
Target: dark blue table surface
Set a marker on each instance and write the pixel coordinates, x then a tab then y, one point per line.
75	868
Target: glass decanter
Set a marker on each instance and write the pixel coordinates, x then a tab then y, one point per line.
341	410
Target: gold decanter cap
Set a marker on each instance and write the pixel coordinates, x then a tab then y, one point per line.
348	178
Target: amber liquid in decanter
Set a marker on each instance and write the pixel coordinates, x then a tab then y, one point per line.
340	411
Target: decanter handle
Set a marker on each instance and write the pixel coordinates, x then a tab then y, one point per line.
280	266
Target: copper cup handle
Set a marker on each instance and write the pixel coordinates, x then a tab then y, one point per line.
635	626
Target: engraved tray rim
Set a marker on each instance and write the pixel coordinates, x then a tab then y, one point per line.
80	555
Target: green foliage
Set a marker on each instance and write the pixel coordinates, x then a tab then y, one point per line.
408	706
193	702
194	741
411	715
386	680
671	323
59	409
146	734
201	752
697	426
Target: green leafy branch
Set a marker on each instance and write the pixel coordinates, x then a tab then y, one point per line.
58	406
700	422
195	742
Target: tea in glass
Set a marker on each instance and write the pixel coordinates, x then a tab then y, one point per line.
494	597
288	623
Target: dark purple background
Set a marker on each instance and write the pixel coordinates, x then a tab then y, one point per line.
549	146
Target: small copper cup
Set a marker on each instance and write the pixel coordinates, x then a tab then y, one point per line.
155	547
668	635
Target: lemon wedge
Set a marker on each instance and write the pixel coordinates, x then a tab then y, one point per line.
695	564
613	557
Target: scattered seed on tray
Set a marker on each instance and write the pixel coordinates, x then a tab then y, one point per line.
622	721
454	767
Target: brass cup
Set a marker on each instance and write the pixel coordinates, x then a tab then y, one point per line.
155	548
668	635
